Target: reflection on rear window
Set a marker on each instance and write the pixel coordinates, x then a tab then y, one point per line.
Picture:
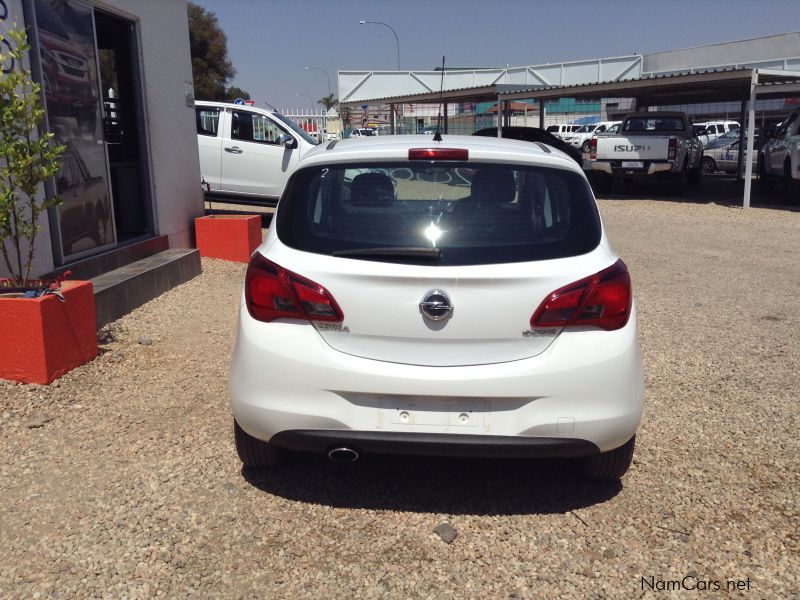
474	213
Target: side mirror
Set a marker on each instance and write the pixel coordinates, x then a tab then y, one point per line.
288	141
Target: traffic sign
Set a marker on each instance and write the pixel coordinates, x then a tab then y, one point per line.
239	101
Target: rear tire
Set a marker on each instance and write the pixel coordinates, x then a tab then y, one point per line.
255	453
763	179
709	166
694	176
682	179
601	183
610	465
586	146
792	185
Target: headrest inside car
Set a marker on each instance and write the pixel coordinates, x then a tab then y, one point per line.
494	186
372	190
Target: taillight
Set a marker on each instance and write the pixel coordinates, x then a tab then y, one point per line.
438	154
602	300
673	148
272	292
593	154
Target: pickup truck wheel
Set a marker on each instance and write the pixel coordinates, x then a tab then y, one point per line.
610	465
682	179
255	453
763	178
587	146
601	183
792	185
694	176
709	166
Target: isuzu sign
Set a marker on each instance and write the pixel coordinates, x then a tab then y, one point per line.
631	148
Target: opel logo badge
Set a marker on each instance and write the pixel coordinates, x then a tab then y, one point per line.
436	305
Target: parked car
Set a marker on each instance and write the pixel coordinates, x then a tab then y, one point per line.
649	144
723	153
85	212
67	75
246	153
582	138
562	130
455	299
711	130
533	134
431	129
361	132
780	157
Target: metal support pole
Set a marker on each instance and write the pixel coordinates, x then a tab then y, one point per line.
751	127
740	160
499	116
541	113
391	118
445	116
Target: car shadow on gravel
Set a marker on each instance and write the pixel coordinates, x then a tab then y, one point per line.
436	485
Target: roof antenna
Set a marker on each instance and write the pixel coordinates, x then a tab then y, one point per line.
438	135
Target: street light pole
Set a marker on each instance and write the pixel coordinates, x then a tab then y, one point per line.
396	39
310	101
328	77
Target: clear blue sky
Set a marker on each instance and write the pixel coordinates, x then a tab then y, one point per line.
270	41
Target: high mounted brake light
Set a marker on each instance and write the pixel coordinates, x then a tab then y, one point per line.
603	300
438	154
272	292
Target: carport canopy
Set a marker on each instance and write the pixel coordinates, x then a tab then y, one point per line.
738	84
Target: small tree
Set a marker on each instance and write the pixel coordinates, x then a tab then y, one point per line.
328	102
28	158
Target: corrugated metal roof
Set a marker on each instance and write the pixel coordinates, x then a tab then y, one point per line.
503	89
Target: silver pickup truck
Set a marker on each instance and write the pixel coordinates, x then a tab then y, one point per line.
649	144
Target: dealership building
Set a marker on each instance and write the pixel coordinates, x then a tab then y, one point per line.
117	86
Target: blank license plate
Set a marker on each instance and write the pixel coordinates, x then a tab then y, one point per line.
632	164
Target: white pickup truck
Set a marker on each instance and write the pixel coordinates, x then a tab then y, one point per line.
649	144
246	153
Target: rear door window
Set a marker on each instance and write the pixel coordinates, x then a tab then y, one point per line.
207	120
471	213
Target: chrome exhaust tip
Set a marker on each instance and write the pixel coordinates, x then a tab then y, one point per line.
343	455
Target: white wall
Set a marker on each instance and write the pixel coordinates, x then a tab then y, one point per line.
166	69
43	257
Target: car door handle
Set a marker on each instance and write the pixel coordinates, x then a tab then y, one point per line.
234	150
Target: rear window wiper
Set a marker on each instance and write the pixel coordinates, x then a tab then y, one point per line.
401	251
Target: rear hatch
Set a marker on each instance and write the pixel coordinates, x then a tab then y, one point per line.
437	264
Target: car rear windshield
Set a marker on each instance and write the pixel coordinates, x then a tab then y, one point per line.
442	214
653	124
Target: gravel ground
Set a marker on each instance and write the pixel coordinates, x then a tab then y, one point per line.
121	479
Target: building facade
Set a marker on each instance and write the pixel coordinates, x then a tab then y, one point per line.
116	81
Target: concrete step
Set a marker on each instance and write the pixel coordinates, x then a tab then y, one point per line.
122	255
118	292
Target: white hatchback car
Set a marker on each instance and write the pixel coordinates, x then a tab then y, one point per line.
437	298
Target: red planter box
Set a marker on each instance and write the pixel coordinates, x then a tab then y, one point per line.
229	237
43	338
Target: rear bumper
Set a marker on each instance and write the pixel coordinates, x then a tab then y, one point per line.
614	167
588	385
434	444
